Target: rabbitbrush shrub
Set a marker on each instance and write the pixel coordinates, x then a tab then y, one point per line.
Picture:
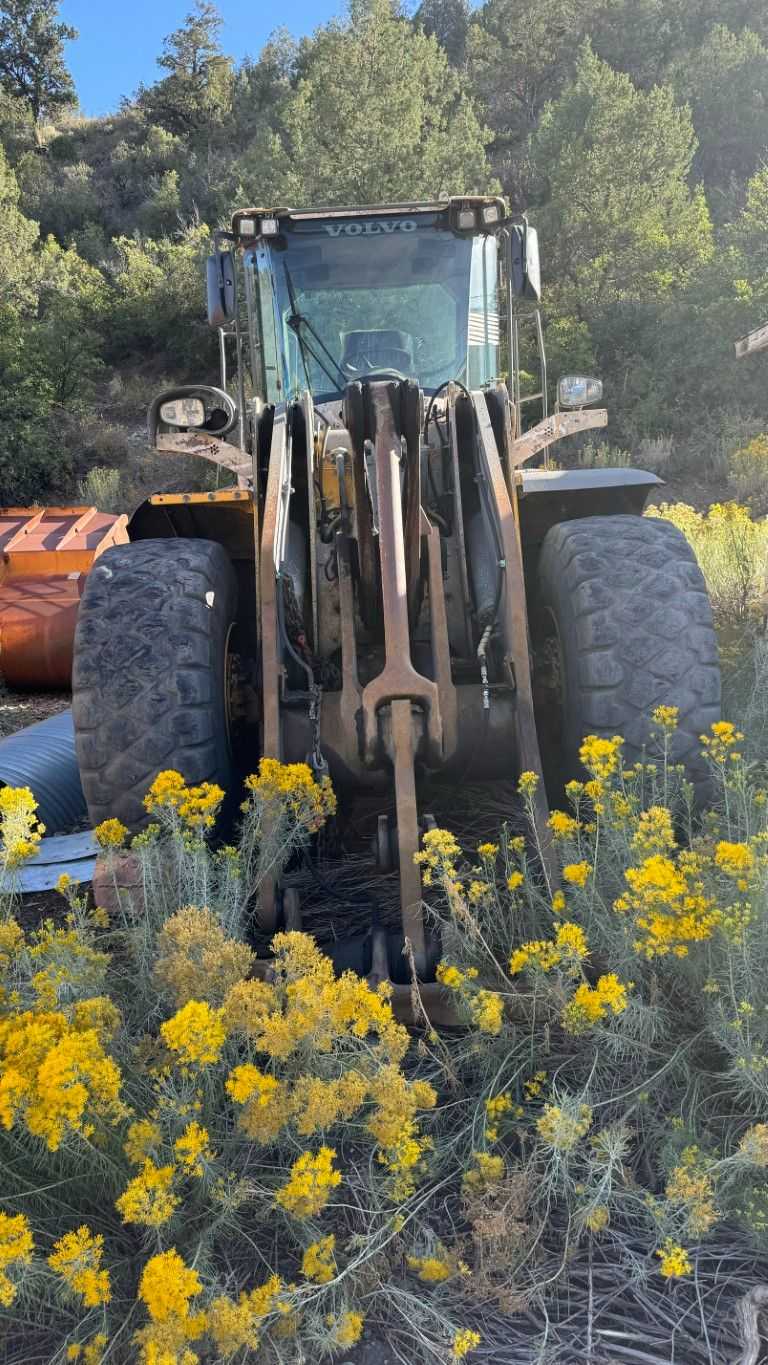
202	1165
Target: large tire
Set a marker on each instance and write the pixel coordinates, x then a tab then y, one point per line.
149	675
623	602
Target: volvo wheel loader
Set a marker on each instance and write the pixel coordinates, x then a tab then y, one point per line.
397	584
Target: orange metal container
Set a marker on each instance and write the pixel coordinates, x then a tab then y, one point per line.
45	555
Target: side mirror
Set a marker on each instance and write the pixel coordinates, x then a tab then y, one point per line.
525	265
183	412
196	407
222	289
577	390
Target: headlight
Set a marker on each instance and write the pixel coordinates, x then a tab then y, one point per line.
183	412
577	390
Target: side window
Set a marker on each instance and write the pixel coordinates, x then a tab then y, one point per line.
483	336
265	356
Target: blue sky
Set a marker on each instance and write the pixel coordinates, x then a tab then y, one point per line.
119	43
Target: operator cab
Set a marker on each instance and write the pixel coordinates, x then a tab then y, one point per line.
315	283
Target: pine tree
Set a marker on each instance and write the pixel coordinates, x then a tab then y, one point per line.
620	222
32	64
401	129
197	92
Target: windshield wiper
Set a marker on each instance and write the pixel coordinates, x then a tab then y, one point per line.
299	323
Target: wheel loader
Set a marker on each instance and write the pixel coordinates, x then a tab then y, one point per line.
397	583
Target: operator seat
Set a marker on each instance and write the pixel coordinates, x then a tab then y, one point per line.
377	349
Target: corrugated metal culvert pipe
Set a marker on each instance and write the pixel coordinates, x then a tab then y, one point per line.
42	758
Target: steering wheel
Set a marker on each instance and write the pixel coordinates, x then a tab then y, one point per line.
383	374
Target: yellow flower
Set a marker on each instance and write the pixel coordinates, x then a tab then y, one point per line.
669	904
558	902
477	891
534	1086
598	1218
92	1353
309	1187
54	1078
497	1105
20	830
464	1342
527	783
561	1128
736	860
143	1137
11	942
675	1261
348	1328
571	940
590	1004
431	1269
601	756
247	1005
488	850
317	1262
654	832
539	953
98	1013
487	1010
165	1287
246	1081
197	961
77	1258
665	717
235	1326
576	874
690	1184
563	826
719	745
196	1032
291	787
148	1199
393	1125
487	1170
193	1148
754	1145
514	881
16	1247
450	976
110	834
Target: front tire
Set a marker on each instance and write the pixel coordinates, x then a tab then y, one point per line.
623	617
149	680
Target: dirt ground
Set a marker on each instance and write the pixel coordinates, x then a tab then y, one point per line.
20	709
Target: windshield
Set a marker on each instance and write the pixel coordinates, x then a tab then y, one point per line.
355	297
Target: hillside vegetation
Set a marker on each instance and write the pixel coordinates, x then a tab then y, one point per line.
635	132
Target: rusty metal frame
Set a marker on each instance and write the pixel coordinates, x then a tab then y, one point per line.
514	620
398	678
211	448
441	650
554	428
